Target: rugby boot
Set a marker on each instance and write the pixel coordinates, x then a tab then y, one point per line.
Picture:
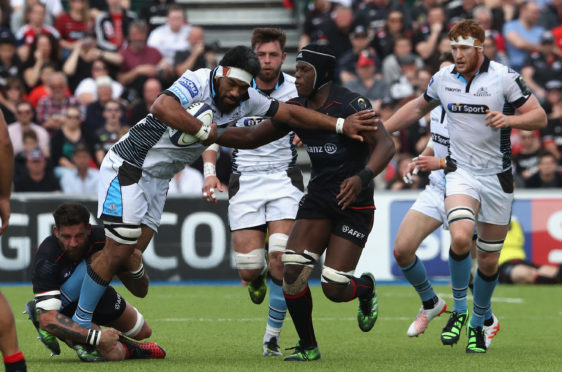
368	311
49	340
301	354
476	340
271	348
452	330
258	288
491	331
142	350
88	354
425	316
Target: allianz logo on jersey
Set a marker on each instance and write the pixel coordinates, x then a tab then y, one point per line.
328	148
466	108
348	230
482	92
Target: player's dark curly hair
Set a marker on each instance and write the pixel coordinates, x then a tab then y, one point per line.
68	214
242	57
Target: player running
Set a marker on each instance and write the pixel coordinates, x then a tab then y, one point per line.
479	182
264	191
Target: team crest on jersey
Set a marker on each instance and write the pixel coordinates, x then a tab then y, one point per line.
482	92
190	86
466	108
524	88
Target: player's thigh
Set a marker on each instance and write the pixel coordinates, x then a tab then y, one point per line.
246	203
415	227
110	307
156	192
246	240
310	235
342	254
496	198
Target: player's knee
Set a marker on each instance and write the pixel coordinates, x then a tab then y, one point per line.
140	329
145	332
334	283
253	260
294	262
278	242
489	246
402	255
276	265
122	233
460	241
461	214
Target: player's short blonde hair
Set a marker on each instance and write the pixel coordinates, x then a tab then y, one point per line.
467	28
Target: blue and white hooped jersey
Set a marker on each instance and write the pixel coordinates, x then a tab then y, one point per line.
148	145
440	137
473	145
274	156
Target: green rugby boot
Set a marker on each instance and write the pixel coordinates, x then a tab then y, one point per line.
301	354
476	340
258	288
452	330
49	340
87	354
368	311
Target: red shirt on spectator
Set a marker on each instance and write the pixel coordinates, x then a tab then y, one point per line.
132	59
70	29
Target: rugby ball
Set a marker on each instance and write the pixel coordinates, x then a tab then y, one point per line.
202	112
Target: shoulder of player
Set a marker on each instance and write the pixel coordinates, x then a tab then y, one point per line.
349	98
49	249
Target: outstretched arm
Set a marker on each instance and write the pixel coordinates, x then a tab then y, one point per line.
531	116
6	173
250	137
408	114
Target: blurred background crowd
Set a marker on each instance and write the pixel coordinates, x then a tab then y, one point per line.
76	74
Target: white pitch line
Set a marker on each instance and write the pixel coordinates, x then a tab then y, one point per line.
510	300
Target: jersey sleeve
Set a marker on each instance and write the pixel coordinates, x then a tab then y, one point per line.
431	94
262	105
45	286
356	103
187	89
516	91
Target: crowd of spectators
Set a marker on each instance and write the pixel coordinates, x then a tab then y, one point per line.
74	78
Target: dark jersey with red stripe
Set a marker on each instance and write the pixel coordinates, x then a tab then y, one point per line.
334	157
51	268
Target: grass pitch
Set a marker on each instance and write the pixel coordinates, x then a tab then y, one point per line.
217	328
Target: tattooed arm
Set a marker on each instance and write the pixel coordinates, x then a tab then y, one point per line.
65	328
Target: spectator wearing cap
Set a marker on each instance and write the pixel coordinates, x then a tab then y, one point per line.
360	40
542	65
172	36
547	175
551	15
94	111
74	25
395	27
36	26
551	136
391	70
367	84
51	108
87	90
24	115
141	61
112	26
522	35
38	178
82	180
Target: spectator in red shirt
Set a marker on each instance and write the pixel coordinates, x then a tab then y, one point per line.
73	25
141	61
112	26
28	32
51	108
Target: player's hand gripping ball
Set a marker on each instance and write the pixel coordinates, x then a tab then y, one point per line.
200	111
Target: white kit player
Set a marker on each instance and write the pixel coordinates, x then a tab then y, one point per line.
135	173
264	192
479	182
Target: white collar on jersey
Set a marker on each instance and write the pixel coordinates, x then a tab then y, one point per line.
235	73
468	41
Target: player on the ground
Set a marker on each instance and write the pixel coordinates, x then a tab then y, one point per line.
479	181
336	215
264	191
14	360
59	268
135	173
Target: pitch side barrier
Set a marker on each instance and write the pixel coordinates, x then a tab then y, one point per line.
193	242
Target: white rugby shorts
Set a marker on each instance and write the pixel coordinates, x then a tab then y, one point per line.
258	198
431	202
495	203
128	195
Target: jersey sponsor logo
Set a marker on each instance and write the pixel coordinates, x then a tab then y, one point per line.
190	86
466	108
349	231
330	148
182	97
456	90
442	140
249	122
314	149
482	92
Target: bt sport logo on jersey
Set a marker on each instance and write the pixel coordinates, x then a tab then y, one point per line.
466	108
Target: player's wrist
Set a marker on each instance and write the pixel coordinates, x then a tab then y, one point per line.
93	338
209	169
365	175
203	132
442	163
139	273
214	147
339	125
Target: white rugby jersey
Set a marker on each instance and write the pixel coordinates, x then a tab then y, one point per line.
440	137
274	156
473	145
148	145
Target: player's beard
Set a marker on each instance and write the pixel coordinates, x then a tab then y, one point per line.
270	76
